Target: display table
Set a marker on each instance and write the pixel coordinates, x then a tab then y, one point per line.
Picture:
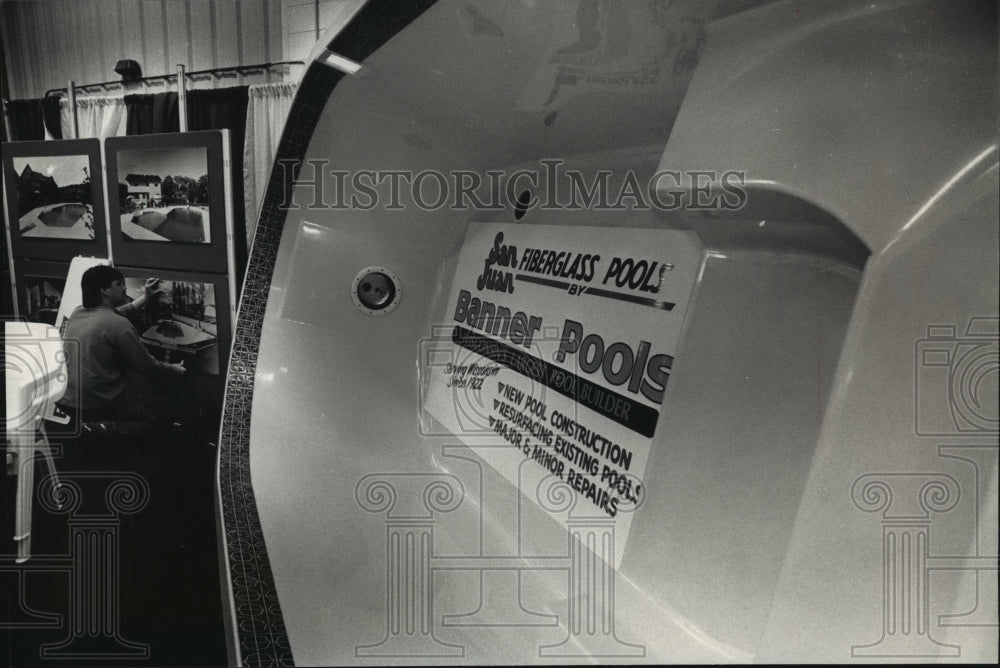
35	372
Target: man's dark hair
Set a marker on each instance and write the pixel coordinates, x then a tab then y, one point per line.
96	279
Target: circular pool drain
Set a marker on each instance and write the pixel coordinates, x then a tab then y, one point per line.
375	291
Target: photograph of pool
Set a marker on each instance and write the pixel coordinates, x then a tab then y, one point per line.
163	195
170	223
182	326
53	197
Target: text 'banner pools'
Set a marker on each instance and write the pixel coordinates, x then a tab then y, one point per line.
558	346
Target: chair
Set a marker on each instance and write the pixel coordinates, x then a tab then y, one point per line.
35	373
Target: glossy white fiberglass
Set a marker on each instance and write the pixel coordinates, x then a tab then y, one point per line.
791	381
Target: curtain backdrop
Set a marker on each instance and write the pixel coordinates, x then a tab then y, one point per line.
218	109
266	113
52	113
152	113
25	118
97	116
254	116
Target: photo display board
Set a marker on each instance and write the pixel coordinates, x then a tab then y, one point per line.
170	200
191	321
55	199
557	347
41	287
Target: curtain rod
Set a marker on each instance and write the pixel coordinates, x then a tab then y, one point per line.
239	69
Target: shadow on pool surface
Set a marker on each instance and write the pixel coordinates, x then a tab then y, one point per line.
178	224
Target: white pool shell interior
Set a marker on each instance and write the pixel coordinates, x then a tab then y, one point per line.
869	146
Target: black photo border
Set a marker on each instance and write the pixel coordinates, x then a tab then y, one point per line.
212	257
223	303
56	249
42	268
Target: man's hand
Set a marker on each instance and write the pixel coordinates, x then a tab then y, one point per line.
152	291
150	294
177	369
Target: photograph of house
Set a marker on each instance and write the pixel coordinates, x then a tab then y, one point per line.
53	197
164	195
144	189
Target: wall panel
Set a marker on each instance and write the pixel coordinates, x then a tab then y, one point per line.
111	26
92	39
130	37
49	42
334	11
201	35
252	30
13	46
178	36
225	42
74	36
41	60
100	28
154	38
274	34
301	17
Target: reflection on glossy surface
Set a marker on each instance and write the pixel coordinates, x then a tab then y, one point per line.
796	373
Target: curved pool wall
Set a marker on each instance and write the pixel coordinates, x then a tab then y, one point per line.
64	215
815	490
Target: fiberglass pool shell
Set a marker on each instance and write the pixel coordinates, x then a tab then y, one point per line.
795	397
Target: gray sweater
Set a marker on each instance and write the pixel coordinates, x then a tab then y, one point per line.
101	345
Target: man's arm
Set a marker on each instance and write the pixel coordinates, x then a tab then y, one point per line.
150	292
135	356
130	309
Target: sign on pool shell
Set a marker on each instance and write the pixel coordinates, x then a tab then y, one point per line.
558	347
